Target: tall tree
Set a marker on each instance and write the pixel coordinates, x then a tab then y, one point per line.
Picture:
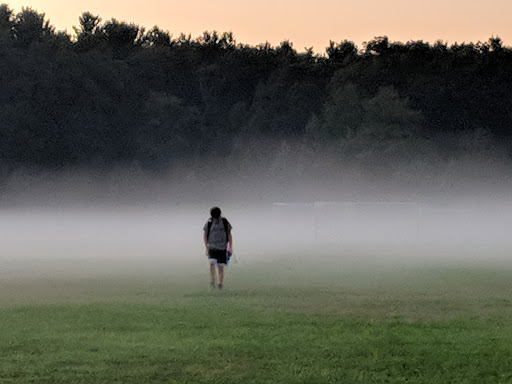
6	22
31	27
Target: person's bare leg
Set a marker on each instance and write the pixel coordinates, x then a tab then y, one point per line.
221	275
212	275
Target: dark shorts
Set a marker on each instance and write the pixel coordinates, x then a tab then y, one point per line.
218	255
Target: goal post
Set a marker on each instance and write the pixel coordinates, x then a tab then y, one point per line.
294	221
348	221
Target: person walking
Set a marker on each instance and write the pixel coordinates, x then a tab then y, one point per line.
218	242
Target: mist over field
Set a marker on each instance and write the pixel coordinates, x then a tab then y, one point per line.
128	223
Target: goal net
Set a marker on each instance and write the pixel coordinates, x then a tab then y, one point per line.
346	222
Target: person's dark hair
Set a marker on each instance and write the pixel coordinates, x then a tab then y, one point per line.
215	212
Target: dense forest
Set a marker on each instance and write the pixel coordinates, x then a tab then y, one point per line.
115	93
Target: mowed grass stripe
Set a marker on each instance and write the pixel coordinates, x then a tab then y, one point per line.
414	294
448	325
209	339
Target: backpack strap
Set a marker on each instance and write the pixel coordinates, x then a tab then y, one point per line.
210	222
226	226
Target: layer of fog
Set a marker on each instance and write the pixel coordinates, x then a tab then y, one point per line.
132	221
168	240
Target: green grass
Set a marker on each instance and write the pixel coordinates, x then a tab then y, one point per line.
288	323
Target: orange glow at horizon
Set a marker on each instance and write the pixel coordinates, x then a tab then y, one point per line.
304	25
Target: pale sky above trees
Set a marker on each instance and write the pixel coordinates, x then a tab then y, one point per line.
304	25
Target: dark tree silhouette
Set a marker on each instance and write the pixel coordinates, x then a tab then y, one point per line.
115	93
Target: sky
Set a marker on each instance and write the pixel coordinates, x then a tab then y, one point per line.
304	24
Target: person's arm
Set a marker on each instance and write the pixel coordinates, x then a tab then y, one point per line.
205	240
230	243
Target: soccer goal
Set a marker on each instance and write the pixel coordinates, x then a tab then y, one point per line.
347	221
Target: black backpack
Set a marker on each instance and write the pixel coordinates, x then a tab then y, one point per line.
225	222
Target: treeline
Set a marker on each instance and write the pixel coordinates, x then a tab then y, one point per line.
116	93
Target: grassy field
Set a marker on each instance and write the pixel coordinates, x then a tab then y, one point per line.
285	321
